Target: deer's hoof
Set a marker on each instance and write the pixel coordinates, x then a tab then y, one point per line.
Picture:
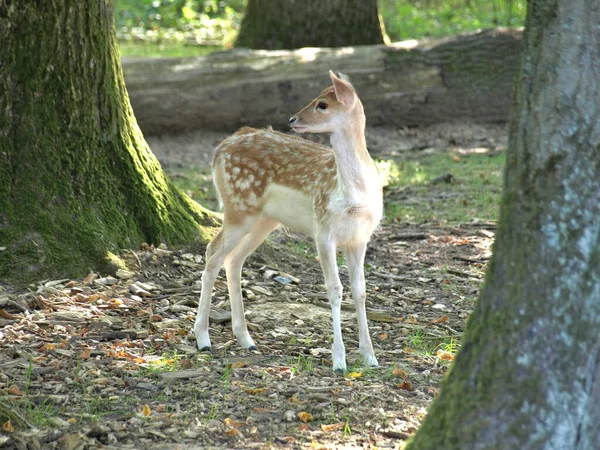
252	347
206	348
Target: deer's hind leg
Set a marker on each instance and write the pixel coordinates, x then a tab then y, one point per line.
226	240
355	259
233	267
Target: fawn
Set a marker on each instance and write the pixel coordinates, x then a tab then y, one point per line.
265	179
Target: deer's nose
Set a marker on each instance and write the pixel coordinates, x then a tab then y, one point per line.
293	119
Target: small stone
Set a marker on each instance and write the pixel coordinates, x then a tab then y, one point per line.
261	290
291	277
125	274
270	274
289	415
136	289
282	280
162	252
106	281
58	422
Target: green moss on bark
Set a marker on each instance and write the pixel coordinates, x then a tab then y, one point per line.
76	177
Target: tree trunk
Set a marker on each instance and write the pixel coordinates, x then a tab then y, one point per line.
76	177
463	78
528	374
281	24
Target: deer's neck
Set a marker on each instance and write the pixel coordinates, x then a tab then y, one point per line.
355	168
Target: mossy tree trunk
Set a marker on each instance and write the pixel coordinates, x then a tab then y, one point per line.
76	176
528	374
285	24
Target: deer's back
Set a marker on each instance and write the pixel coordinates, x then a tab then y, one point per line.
247	162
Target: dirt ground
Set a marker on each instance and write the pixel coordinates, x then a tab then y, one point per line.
109	361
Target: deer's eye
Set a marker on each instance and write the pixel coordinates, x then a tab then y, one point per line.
322	105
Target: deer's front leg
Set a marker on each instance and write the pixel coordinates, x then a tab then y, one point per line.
355	258
327	253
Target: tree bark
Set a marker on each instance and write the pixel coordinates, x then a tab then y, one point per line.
464	78
528	374
76	177
286	24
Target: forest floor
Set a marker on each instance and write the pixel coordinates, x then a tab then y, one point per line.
109	361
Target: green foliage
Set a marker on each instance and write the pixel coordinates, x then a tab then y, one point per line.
414	19
192	22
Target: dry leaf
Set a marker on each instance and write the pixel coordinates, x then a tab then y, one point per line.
6	315
304	427
72	420
354	375
186	363
407	350
263	409
444	355
232	423
254	391
455	157
294	399
383	337
433	392
102	381
91	277
237	365
397	372
85	353
305	416
14	390
231	432
380	317
441	319
7	427
48	347
160	408
333	427
146	411
405	385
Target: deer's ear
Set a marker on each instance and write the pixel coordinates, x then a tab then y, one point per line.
344	92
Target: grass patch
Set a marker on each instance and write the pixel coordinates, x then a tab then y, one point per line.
427	345
444	188
40	415
301	364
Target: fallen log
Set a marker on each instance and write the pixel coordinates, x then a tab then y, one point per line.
411	83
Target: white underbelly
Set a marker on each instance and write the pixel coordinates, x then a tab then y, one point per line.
290	207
